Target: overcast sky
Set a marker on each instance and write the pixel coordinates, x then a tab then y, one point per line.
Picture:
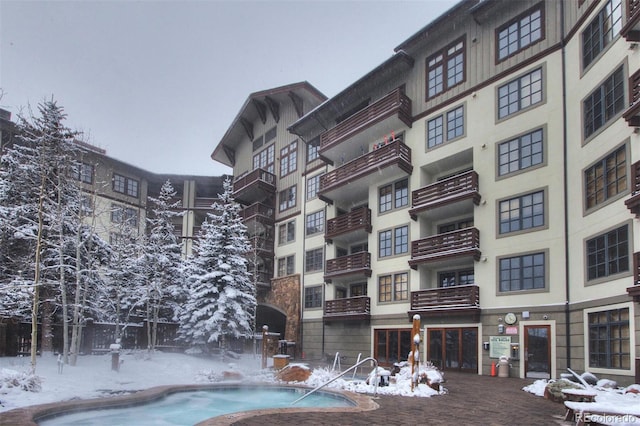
157	83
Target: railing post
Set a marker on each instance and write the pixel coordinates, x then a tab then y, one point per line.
265	332
415	352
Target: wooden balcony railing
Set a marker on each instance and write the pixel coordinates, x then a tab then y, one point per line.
265	213
351	308
353	264
456	188
204	202
254	186
262	245
355	220
446	300
631	30
634	290
632	114
395	153
262	278
462	243
394	103
633	203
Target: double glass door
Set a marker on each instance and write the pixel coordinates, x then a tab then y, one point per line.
454	348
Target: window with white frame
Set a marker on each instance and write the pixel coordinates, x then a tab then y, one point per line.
522	212
604	103
445	69
289	158
445	127
521	153
315	223
313	186
313	149
608	253
520	94
265	159
601	31
520	33
525	272
287	198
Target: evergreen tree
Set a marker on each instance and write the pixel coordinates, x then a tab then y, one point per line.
221	300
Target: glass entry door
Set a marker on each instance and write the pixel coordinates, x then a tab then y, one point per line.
537	350
453	348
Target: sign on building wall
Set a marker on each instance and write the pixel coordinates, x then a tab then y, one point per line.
499	346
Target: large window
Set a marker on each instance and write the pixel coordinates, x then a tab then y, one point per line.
523	212
393	241
520	33
606	178
446	127
601	31
125	185
526	272
286	266
287	232
313	186
520	153
315	223
393	287
313	297
84	173
265	159
314	260
392	345
124	215
446	69
393	196
604	103
610	339
287	198
313	149
455	278
289	158
608	254
520	93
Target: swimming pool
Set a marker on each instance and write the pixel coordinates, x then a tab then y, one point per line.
188	407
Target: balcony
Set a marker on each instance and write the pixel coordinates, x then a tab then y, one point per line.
349	227
390	113
351	308
262	279
204	203
357	264
262	246
440	198
460	244
633	203
457	300
634	290
258	217
348	182
632	114
255	186
631	30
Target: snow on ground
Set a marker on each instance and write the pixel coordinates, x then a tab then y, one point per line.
92	377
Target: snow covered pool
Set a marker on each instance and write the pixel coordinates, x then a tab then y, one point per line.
191	407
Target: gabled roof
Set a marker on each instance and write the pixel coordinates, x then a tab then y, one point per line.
254	108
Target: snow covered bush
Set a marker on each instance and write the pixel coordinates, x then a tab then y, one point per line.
11	379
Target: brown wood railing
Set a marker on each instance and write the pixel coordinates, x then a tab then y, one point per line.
347	265
446	191
258	209
261	244
630	31
633	203
634	290
262	278
632	114
464	242
463	297
393	153
356	219
254	177
204	202
349	308
395	102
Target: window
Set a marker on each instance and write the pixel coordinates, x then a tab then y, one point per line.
523	212
313	149
287	198
520	33
393	241
285	266
86	205
520	153
604	103
454	278
436	129
313	297
455	226
392	345
606	178
314	260
395	195
265	159
125	185
520	94
446	69
525	272
608	254
609	339
126	215
84	173
287	232
289	158
601	31
393	287
313	185
315	223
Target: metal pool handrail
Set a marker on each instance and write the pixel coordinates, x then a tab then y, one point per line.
375	392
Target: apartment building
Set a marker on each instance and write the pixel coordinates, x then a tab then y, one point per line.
484	177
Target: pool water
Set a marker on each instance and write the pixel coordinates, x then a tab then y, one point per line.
191	407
